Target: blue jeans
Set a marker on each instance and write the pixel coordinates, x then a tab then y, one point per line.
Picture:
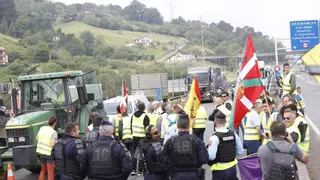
228	174
252	146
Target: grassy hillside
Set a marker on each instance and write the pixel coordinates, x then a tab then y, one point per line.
9	43
113	38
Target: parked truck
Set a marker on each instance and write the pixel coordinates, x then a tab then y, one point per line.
211	79
40	99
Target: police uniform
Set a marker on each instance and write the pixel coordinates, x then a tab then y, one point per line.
154	169
199	123
107	159
68	153
185	154
92	136
224	147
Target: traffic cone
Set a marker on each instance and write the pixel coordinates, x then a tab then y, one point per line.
10	173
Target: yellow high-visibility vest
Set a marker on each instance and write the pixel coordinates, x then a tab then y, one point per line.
302	102
126	131
250	131
44	145
200	120
294	128
266	124
117	119
305	144
287	84
57	98
137	126
153	118
226	112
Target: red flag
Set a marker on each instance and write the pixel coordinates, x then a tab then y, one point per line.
124	100
249	85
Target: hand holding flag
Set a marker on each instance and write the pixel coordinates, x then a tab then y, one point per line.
124	99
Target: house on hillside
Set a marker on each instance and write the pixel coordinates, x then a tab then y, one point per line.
143	40
180	58
3	56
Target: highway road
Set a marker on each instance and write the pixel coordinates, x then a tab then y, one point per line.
311	93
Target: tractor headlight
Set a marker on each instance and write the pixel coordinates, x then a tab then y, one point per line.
10	140
22	139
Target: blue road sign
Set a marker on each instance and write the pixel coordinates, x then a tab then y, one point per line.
304	34
159	94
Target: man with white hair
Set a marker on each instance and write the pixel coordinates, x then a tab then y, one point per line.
107	158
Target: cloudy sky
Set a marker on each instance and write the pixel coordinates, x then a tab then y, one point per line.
271	17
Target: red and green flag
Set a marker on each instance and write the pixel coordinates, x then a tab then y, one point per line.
249	85
124	99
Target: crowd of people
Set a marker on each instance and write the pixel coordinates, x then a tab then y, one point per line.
160	142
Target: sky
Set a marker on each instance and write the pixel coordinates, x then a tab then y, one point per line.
271	17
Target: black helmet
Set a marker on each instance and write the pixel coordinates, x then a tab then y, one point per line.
141	106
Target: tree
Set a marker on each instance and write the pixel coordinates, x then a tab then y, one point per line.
41	52
134	12
4	26
88	40
152	16
22	25
8	10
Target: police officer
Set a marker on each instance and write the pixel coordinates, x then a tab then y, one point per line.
149	148
93	135
68	153
185	154
223	147
139	121
106	158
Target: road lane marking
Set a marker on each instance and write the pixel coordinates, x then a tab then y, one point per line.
301	77
313	126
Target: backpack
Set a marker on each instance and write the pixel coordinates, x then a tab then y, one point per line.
283	166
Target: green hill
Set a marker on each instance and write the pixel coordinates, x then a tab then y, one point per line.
120	38
9	43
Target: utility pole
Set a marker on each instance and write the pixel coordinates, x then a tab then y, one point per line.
171	10
202	41
276	50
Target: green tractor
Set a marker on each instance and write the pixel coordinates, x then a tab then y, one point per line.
70	96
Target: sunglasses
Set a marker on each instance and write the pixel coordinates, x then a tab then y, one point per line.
286	118
223	96
156	133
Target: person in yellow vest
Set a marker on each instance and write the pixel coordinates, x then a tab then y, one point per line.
223	147
289	81
227	102
303	126
267	118
116	121
301	105
139	121
199	123
252	133
47	138
125	133
289	118
153	115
